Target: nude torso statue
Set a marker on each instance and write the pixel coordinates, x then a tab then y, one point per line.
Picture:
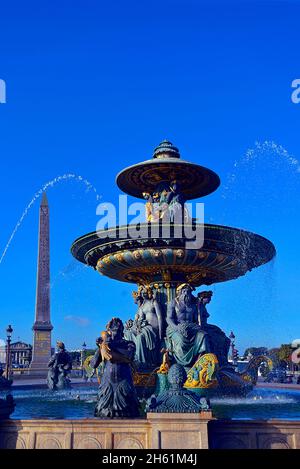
146	331
149	310
185	337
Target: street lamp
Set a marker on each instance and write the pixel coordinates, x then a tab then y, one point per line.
9	332
83	349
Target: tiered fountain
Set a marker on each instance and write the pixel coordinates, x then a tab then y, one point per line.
171	323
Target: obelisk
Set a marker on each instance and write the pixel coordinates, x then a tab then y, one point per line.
42	326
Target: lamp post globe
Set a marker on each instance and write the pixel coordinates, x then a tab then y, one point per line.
9	331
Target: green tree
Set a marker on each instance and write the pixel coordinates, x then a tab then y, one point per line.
256	351
284	354
273	353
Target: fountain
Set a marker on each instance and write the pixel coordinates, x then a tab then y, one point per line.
167	267
179	359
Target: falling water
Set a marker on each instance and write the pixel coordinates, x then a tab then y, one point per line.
271	155
47	185
262	148
261	194
261	185
69	271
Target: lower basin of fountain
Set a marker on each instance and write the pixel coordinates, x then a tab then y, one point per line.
79	403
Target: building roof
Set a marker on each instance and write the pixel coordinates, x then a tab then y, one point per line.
20	344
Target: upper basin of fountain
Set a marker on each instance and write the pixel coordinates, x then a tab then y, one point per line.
166	166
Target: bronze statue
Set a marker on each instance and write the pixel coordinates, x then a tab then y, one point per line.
60	365
149	206
220	343
116	395
146	331
185	337
204	298
166	204
178	213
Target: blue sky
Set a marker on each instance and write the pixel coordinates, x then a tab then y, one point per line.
94	86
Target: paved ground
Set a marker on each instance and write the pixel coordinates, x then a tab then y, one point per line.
294	387
41	383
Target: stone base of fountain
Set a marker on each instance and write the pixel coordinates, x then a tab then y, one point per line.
158	431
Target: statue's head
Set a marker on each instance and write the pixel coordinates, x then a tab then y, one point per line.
184	292
146	292
174	186
60	346
137	297
146	195
205	297
104	336
115	328
129	324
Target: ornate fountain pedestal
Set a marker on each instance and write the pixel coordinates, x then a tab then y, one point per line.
171	256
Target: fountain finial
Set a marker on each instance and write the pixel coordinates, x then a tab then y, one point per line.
166	150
